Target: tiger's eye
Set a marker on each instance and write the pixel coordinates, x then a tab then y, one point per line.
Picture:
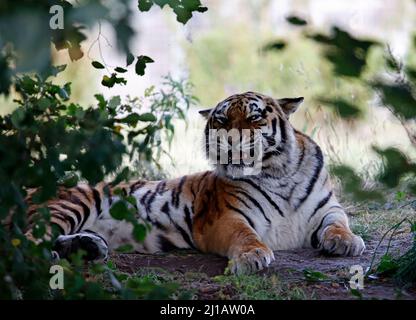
221	120
254	118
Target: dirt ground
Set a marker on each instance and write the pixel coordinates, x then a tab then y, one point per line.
199	272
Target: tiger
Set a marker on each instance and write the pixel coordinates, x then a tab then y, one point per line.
289	203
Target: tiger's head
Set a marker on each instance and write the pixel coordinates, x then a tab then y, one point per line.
250	134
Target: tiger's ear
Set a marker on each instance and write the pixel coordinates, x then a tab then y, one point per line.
205	113
289	105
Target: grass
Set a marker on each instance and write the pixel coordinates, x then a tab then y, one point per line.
372	224
262	287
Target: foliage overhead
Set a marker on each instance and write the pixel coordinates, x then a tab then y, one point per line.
49	141
26	36
183	9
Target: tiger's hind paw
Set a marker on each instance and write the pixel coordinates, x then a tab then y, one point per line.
93	245
251	261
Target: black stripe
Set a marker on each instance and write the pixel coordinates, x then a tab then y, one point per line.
267	155
98	235
188	218
283	133
186	237
300	160
83	192
256	204
97	200
124	190
136	186
160	188
143	199
159	225
239	199
166	209
311	184
73	210
229	206
314	237
176	192
263	193
202	180
60	229
206	132
165	244
193	191
64	218
85	210
149	202
109	193
274	127
323	202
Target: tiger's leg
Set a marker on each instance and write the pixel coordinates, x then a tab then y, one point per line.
334	236
94	245
233	237
73	213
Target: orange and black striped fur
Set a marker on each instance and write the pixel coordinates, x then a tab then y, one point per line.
288	204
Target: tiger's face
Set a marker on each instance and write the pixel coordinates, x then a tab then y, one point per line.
246	132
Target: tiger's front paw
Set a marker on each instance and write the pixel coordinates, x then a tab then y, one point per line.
338	240
251	261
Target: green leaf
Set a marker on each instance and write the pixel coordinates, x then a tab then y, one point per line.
44	103
120	70
182	14
39	230
139	232
102	103
55	70
119	210
141	64
296	21
129	59
97	65
314	276
147	117
387	264
107	81
347	54
114	102
75	53
342	107
353	184
399	97
126	248
64	94
396	165
162	3
275	46
356	293
122	176
400	195
18	117
70	180
145	5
